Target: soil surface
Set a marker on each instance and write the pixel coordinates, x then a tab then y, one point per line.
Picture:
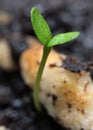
17	111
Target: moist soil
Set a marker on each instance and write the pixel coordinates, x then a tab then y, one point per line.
17	111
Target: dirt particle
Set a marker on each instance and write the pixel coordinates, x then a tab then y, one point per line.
48	95
52	65
38	63
73	65
69	105
54	98
83	112
64	81
54	86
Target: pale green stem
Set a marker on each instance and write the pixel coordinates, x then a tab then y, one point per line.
46	52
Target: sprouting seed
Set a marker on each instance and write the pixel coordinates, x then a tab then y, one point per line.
44	35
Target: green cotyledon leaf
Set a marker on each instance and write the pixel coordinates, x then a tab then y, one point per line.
40	27
63	38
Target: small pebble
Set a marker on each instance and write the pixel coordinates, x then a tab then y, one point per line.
12	115
17	103
5	18
3	128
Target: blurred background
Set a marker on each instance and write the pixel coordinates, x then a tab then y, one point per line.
17	111
18	4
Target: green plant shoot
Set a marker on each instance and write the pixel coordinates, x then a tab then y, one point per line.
44	35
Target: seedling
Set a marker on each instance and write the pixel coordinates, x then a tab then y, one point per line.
44	35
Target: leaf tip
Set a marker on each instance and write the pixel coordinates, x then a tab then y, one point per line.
76	34
33	10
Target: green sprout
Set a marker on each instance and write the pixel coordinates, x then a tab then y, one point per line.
44	35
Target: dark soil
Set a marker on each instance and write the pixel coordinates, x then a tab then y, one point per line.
17	111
